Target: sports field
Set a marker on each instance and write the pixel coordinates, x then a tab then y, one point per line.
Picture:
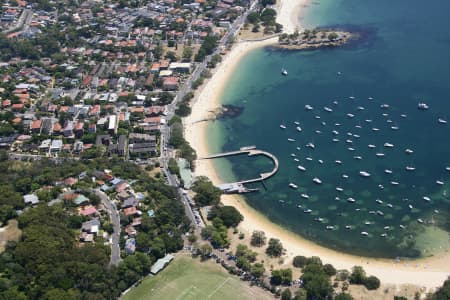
187	278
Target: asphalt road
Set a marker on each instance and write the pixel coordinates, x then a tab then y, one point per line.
114	216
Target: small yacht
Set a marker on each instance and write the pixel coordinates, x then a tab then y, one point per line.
351	97
383	235
379	201
317	180
296	159
284	72
317	117
293	155
375	129
298	128
304	196
390	205
348	226
380	213
386	227
298	148
384	106
381	186
385	115
371	146
409	151
442	121
350	115
420	221
337	124
360	108
364	233
335	102
349	134
439	182
293	185
368	121
403	115
345	176
339	189
394	183
364	174
388	121
299	206
402	226
409	168
323	123
329	227
335	140
379	154
357	157
422	106
410	206
319	219
309	158
283	126
387	171
297	123
348	141
351	200
326	108
291	140
335	132
308	107
318	131
368	223
320	161
388	145
301	168
351	149
356	136
307	211
428	199
311	145
338	162
447	168
394	127
358	126
370	98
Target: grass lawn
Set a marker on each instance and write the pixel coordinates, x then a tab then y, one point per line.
188	278
9	233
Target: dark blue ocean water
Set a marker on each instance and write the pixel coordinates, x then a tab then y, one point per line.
402	58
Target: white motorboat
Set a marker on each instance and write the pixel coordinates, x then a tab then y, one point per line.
326	108
364	174
387	171
395	183
439	182
301	168
420	221
284	72
409	151
351	200
339	189
364	233
394	127
422	106
379	201
298	128
357	157
388	145
317	180
293	185
304	196
311	145
350	115
442	121
384	106
345	176
283	126
291	140
409	168
351	149
335	140
379	154
308	107
426	198
371	146
375	129
338	162
307	211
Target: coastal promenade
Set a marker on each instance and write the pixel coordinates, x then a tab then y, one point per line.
238	187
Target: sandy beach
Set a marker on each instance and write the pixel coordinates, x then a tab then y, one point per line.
428	272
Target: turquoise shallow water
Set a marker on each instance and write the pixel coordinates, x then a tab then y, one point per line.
402	58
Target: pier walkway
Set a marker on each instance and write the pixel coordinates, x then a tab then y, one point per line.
238	187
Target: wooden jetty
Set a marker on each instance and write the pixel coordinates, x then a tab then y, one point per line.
238	187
